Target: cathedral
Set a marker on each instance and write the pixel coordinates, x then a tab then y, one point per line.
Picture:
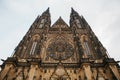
60	52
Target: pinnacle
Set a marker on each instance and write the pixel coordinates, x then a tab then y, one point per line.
60	17
60	21
72	9
46	12
47	9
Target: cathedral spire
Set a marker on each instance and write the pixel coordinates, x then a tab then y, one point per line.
46	12
47	9
73	12
77	19
45	19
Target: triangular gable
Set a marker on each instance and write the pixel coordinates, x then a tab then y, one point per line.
60	23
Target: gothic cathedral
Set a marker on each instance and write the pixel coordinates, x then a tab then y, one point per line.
60	52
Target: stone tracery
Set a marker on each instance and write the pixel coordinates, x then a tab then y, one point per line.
60	49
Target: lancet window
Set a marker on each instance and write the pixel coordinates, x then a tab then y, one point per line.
41	23
87	49
78	23
33	48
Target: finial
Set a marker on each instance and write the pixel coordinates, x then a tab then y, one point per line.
60	17
47	9
72	10
46	12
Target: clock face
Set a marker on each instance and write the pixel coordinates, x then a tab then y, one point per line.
60	50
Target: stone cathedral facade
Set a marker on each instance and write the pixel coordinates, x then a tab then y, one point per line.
60	52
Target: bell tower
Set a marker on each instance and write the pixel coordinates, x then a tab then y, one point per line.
92	47
60	52
30	46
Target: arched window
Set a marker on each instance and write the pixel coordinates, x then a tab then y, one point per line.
86	46
87	49
41	23
78	23
33	48
35	38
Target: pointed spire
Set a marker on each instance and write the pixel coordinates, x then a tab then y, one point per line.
74	17
45	19
46	12
73	11
60	18
60	21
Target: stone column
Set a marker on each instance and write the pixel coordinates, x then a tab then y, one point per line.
31	72
115	71
39	73
11	74
95	72
88	72
5	71
102	73
18	73
82	74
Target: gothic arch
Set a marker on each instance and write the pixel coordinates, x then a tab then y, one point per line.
84	38
59	48
86	46
35	37
59	37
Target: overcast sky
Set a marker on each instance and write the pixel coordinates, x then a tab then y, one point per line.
16	16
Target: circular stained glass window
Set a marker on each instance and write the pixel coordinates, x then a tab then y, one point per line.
60	50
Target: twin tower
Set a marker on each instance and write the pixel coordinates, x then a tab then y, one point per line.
60	52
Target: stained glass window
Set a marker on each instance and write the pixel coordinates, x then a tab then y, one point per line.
33	48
